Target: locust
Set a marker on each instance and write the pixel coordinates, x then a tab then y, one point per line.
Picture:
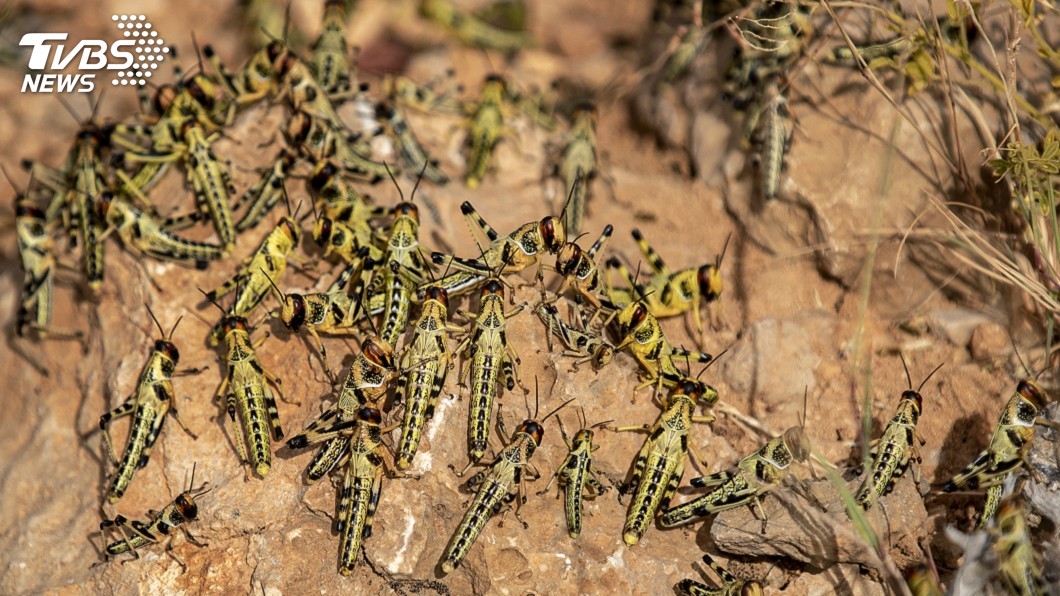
423	98
345	226
517	251
410	152
331	311
582	345
485	129
575	475
1007	450
403	270
36	248
246	391
500	483
1019	560
148	407
365	384
472	30
744	485
642	336
137	534
490	357
580	272
427	361
671	293
361	485
252	282
578	166
687	46
892	453
258	78
770	129
146	235
330	63
660	463
210	182
731	585
267	192
318	138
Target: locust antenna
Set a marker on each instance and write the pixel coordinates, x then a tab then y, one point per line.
908	381
924	382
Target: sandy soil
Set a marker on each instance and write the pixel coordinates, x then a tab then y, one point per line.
806	300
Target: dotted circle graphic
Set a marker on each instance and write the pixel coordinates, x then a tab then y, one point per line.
150	49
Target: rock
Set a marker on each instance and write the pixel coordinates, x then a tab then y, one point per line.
772	345
956	324
989	341
837	579
798	530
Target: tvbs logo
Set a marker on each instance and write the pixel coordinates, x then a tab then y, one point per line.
135	57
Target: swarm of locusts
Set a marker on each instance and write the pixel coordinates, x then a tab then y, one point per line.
396	298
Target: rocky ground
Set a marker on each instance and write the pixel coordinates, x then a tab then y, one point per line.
823	289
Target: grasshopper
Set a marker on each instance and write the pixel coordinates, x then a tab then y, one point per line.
246	389
744	484
365	384
485	129
137	534
671	293
659	465
579	165
770	129
410	152
346	223
516	251
579	269
319	138
266	265
361	485
1019	560
1008	447
403	270
146	235
423	98
267	192
643	338
210	182
330	63
685	48
36	247
148	406
576	474
582	345
892	453
428	362
472	30
258	78
490	357
500	483
731	586
327	312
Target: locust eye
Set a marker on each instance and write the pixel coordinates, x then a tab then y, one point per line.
583	435
568	258
187	507
493	287
914	397
640	313
709	279
438	293
405	208
231	323
294	311
553	233
322	177
27	210
167	348
534	429
377	351
105	200
369	415
322	231
691	387
1032	392
274	50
